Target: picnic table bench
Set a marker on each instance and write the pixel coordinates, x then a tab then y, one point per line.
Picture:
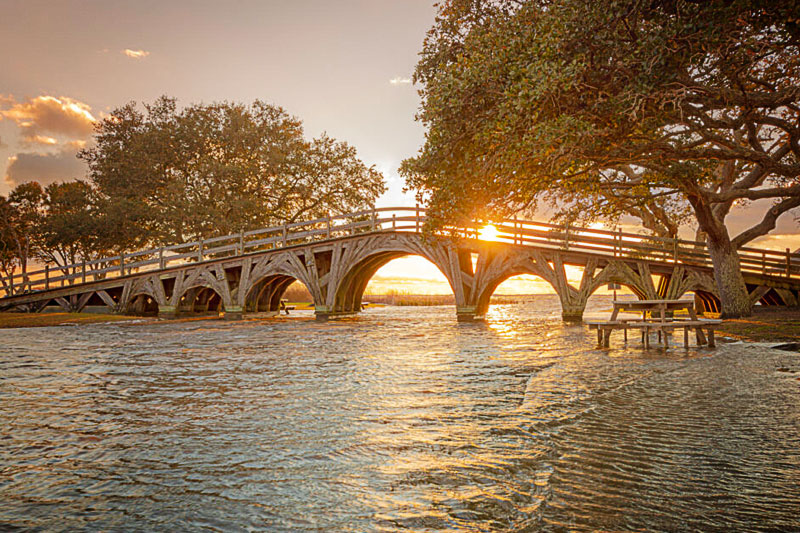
657	322
286	308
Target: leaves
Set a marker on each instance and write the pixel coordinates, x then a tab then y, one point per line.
216	169
549	102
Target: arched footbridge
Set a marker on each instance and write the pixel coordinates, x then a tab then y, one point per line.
335	257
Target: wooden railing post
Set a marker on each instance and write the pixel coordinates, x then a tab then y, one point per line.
328	222
46	278
374	219
763	263
515	231
788	262
284	235
394	221
241	243
416	229
200	251
675	249
161	264
83	271
122	264
566	236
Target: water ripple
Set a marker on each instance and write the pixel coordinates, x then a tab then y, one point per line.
400	419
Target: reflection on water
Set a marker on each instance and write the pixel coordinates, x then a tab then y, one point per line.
399	419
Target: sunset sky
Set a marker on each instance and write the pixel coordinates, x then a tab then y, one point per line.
343	67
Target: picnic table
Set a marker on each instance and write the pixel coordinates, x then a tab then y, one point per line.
658	321
653	307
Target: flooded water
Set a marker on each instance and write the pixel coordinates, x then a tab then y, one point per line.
401	419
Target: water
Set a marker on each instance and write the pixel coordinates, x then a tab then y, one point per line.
401	419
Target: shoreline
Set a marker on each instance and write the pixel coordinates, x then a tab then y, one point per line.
766	325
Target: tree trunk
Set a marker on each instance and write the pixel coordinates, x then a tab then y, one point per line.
733	292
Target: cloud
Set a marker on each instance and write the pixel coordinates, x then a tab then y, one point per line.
136	54
60	116
44	168
400	81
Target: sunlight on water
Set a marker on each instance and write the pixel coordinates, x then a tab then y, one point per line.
400	419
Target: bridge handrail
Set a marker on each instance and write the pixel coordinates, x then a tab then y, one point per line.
512	231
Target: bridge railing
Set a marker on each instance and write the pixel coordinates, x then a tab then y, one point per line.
403	219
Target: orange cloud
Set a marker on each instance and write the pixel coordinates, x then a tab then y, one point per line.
136	54
60	116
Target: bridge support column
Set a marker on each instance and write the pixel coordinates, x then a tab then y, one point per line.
233	313
467	313
167	311
572	313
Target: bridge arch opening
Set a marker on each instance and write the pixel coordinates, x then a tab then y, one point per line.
266	293
200	299
514	287
142	304
392	277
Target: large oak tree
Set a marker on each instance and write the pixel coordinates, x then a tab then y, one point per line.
657	109
167	175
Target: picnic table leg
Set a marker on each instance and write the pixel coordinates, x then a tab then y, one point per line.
646	332
666	339
625	332
599	336
685	337
701	338
711	342
606	337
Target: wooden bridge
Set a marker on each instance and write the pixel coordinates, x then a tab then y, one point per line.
335	257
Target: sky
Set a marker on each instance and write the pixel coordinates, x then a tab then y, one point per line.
344	67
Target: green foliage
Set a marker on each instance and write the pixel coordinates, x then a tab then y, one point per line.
167	175
69	230
655	109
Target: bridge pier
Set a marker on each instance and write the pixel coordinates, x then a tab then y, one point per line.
572	313
167	311
233	313
467	313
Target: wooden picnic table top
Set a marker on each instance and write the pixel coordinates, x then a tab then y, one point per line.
655	304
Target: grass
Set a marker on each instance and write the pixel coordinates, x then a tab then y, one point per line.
776	324
34	320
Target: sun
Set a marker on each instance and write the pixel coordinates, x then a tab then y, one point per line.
489	233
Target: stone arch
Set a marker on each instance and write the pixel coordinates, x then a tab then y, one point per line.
201	300
265	294
683	280
551	268
355	263
135	293
199	296
187	282
142	304
264	280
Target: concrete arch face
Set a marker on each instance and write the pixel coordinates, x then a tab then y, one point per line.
493	269
354	266
265	295
264	280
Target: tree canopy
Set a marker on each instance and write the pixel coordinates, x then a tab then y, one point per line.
662	110
215	169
